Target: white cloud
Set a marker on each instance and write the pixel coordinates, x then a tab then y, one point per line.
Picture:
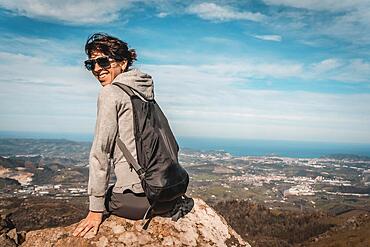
231	71
37	69
326	65
68	11
276	38
349	26
356	70
253	69
214	12
220	40
326	5
162	14
344	71
51	49
316	19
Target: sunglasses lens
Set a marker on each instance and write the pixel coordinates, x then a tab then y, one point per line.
89	64
103	62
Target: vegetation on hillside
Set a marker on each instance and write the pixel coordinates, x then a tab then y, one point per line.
265	227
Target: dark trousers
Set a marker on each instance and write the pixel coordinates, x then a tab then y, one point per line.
128	204
132	205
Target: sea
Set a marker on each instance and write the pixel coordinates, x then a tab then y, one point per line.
236	147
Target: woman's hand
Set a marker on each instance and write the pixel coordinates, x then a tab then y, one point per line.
90	223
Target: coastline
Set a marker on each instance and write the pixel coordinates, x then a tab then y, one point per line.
236	147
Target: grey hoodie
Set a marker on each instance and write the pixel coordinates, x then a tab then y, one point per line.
115	113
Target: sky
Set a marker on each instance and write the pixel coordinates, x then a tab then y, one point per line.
266	69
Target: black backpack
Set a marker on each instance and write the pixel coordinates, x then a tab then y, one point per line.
162	178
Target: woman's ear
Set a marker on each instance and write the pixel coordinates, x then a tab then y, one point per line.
123	65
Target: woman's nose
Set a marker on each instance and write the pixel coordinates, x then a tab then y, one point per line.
97	67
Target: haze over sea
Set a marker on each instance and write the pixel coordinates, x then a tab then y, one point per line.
236	147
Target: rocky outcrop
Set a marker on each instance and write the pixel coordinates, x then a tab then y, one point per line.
201	227
9	237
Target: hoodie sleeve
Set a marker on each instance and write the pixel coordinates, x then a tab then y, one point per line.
105	132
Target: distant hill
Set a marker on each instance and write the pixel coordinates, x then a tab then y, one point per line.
347	157
8	163
46	147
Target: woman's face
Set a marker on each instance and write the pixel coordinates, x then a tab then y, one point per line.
106	75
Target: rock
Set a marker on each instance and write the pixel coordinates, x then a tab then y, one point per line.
201	227
5	224
17	237
5	241
8	233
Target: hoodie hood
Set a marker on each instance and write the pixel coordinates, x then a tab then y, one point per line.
141	82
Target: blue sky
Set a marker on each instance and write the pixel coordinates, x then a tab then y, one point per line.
268	69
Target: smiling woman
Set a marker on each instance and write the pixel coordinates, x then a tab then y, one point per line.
110	61
109	57
121	141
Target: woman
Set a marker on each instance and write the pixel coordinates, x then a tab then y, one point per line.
110	61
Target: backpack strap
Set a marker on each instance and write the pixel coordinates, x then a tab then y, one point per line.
140	171
149	218
125	88
130	159
111	153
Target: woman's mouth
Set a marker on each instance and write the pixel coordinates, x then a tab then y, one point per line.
103	76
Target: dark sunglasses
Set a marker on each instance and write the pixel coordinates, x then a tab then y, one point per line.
103	62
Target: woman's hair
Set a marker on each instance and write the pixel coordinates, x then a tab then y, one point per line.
110	46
